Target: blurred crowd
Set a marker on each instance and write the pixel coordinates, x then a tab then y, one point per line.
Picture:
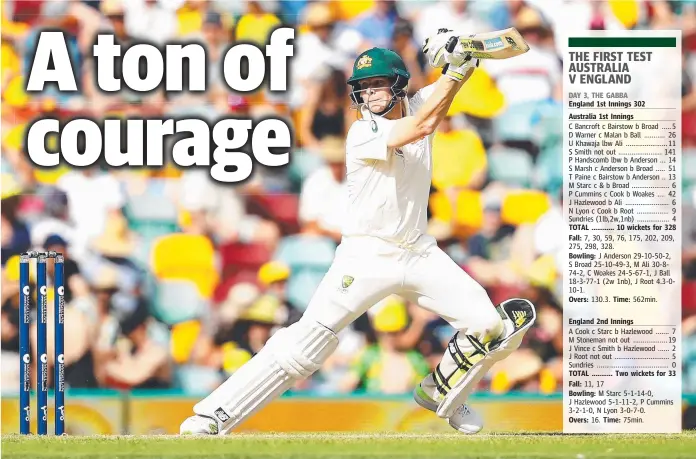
174	281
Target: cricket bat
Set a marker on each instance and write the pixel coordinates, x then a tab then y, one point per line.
499	44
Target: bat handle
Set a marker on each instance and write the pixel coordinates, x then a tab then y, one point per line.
451	44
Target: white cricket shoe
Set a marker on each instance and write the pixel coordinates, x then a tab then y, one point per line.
464	419
199	425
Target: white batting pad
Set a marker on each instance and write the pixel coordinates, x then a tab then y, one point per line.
291	354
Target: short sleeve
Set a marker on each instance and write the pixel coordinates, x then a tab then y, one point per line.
365	142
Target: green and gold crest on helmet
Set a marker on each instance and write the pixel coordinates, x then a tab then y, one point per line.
378	62
364	62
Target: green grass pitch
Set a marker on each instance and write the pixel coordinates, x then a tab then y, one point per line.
355	445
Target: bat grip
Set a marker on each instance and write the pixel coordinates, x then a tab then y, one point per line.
451	44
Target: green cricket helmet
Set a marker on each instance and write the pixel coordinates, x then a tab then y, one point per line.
379	62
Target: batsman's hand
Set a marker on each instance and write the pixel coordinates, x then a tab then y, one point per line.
458	69
435	48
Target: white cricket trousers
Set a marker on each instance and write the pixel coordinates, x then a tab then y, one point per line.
367	270
422	274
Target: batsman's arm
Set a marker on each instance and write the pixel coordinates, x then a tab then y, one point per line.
424	122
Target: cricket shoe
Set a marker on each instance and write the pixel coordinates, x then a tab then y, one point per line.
464	419
199	425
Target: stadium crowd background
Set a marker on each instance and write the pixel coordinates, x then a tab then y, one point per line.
174	281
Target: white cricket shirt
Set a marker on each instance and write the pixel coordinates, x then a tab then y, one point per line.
388	189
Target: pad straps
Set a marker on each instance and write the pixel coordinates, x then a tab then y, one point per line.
463	360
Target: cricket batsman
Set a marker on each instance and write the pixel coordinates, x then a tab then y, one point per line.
385	250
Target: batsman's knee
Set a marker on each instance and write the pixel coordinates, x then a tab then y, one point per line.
487	327
302	348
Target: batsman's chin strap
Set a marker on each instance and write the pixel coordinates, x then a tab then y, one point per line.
373	123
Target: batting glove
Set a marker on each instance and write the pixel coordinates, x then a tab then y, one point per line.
444	50
458	61
457	71
435	48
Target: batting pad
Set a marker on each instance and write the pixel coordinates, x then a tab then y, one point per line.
518	315
292	353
